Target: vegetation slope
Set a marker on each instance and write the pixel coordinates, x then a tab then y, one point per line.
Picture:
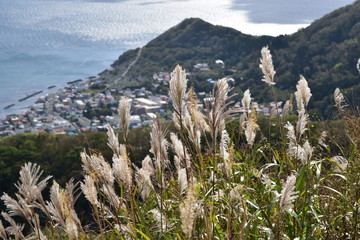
325	53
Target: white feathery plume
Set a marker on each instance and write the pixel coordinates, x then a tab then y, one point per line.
301	124
160	219
292	141
246	100
250	128
224	153
97	168
182	180
341	162
14	229
242	120
148	165
322	139
16	208
288	194
302	94
143	177
222	90
358	65
285	110
159	145
177	90
37	231
177	120
143	181
267	66
113	141
305	152
110	195
3	233
29	186
122	171
216	109
61	208
191	128
124	115
339	99
273	112
188	210
90	191
196	116
180	150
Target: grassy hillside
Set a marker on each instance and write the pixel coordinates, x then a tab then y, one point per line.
325	53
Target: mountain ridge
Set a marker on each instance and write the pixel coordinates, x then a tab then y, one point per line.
325	52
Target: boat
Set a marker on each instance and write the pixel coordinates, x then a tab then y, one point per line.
52	86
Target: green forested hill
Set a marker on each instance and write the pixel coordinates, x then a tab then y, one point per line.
326	53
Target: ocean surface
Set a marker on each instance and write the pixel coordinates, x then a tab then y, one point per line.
51	42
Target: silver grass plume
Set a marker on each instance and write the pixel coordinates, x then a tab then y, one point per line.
292	140
61	208
160	219
18	208
242	120
188	210
14	229
113	141
182	175
124	116
250	128
305	152
216	109
285	110
3	233
341	163
322	139
29	185
182	178
109	192
122	171
37	231
159	145
246	100
339	99
193	129
143	177
97	168
273	112
90	191
295	150
196	116
224	153
182	162
302	94
180	151
288	194
267	66
177	90
301	125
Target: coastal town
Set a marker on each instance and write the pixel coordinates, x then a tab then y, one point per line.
90	105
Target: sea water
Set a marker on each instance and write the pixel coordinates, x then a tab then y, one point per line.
51	42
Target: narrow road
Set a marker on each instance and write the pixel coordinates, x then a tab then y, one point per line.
129	67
